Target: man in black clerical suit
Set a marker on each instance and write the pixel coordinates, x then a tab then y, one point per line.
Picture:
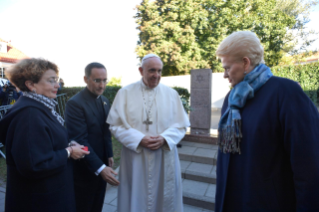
85	117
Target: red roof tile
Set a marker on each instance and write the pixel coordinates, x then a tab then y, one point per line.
12	55
314	57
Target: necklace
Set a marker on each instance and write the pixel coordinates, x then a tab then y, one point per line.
148	120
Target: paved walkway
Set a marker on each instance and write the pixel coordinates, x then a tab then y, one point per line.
110	202
2	195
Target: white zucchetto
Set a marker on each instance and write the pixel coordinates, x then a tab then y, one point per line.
149	56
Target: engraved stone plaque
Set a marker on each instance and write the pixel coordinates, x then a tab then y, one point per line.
201	88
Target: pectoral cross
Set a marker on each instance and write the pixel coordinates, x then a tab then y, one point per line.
147	122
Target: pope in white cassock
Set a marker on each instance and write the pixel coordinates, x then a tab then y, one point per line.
148	118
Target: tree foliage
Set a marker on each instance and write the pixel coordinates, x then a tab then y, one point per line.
115	81
186	33
298	38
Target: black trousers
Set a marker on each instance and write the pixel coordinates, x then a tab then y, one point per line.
89	196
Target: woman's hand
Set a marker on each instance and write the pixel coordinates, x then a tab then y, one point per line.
76	152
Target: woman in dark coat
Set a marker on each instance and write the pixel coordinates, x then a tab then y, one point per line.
39	169
268	136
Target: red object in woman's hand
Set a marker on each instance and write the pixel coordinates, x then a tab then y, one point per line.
85	148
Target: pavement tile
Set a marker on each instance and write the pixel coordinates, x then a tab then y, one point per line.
2	195
188	208
200	167
186	143
214	170
109	208
184	164
195	187
187	150
110	195
214	147
205	153
211	191
201	145
2	203
114	202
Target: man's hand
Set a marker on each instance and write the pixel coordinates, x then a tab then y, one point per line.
145	141
107	175
111	162
152	143
156	142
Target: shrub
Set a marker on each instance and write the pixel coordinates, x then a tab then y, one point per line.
307	75
111	91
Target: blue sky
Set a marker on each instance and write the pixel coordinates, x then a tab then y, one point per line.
73	33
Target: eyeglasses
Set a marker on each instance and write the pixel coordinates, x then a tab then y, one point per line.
100	80
53	80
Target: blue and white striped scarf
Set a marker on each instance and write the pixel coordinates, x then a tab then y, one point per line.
229	127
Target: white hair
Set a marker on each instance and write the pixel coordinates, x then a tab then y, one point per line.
148	56
242	44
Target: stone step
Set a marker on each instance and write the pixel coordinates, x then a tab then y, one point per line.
199	194
198	171
188	208
198	152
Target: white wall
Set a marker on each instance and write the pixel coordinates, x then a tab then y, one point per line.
220	86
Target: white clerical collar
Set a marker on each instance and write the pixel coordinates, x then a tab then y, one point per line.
146	87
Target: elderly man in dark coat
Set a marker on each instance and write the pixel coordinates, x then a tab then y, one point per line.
268	136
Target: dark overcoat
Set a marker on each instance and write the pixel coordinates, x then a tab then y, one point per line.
39	173
278	168
82	121
85	117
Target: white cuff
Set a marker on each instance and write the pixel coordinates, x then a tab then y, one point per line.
99	170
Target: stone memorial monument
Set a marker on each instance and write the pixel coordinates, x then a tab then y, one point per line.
200	115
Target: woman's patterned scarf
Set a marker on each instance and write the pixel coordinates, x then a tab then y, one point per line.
48	102
229	127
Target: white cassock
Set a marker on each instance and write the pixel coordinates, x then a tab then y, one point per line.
150	180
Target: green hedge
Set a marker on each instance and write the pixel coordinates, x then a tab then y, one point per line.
307	75
110	93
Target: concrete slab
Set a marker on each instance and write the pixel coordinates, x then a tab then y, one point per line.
188	208
205	152
2	203
194	187
199	201
200	167
114	202
187	150
187	143
2	195
110	195
109	208
211	191
206	156
214	170
184	164
200	177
